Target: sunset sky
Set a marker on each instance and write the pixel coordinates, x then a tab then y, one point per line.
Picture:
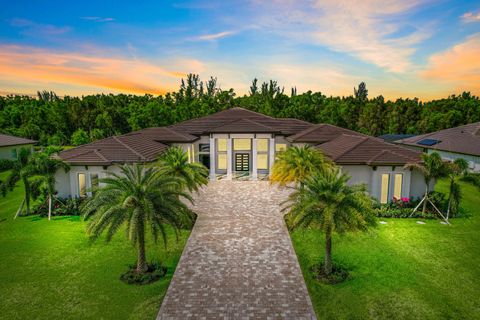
400	48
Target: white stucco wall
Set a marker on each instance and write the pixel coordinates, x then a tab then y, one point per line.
7	151
473	161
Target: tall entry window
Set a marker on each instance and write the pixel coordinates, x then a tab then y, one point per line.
397	188
82	185
384	188
262	154
222	154
204	154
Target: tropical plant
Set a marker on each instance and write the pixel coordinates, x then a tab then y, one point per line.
44	168
432	168
327	203
456	170
142	198
297	164
175	162
21	169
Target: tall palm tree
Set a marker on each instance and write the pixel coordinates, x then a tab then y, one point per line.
297	164
456	169
175	162
142	198
327	203
44	167
432	167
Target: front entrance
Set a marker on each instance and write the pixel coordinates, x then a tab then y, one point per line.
242	162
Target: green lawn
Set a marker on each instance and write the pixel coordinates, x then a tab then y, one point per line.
50	270
401	270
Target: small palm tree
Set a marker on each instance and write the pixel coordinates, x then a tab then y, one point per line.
327	203
44	167
456	169
175	162
297	164
432	167
142	198
22	170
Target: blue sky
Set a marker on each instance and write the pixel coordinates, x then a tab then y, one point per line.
409	48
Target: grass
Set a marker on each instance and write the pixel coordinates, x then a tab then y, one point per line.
50	270
401	270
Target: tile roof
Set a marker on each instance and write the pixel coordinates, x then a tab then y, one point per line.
320	133
362	149
7	140
463	139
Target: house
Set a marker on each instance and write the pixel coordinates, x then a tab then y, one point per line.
241	144
11	145
459	142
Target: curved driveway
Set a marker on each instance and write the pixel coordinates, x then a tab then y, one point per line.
239	262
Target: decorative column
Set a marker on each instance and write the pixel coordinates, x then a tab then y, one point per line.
229	158
271	155
212	158
254	159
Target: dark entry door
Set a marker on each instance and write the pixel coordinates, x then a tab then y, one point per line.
242	162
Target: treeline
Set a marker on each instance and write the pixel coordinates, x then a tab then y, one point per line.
54	120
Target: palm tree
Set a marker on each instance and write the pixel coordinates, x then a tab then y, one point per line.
175	162
456	169
142	198
327	203
432	167
297	164
44	167
21	170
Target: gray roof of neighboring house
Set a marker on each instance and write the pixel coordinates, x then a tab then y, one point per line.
7	140
395	137
463	139
342	145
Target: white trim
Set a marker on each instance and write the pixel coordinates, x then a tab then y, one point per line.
254	159
212	159
229	158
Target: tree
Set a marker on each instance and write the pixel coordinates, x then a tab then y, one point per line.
362	93
21	170
192	174
143	199
44	167
432	168
456	169
327	203
297	164
79	137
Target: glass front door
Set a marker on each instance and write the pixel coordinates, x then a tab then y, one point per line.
242	162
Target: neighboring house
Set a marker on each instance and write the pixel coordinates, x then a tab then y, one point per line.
459	142
10	146
242	144
395	137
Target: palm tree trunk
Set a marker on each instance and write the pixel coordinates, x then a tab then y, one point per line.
49	207
19	211
27	195
142	261
425	202
328	253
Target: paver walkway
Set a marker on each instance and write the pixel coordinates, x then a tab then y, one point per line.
239	262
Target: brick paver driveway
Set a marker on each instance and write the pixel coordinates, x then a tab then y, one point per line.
239	262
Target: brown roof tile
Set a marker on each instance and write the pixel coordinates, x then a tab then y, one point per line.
464	139
7	140
320	133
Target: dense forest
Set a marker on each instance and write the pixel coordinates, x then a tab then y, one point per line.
54	120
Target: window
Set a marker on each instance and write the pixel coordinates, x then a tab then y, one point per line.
94	181
262	145
242	144
280	147
384	188
262	161
222	145
397	188
222	161
204	147
82	185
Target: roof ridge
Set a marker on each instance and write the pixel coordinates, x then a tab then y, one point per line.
307	131
97	152
129	148
363	139
257	123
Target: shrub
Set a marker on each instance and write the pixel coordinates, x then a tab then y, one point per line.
6	164
60	207
154	272
472	178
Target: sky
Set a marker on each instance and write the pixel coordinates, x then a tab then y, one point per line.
399	48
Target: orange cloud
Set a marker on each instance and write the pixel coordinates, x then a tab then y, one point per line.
44	67
458	66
